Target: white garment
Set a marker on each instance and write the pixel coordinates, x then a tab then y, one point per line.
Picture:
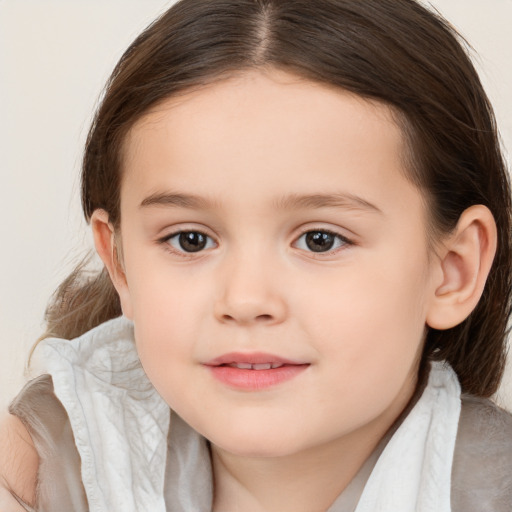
120	425
119	421
414	471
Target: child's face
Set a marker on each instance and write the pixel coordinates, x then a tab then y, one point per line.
304	243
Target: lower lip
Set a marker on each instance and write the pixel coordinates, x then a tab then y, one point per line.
254	380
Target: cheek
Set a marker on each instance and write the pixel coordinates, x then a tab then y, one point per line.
164	297
163	316
173	324
162	337
370	322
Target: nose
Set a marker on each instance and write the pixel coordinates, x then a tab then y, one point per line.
250	294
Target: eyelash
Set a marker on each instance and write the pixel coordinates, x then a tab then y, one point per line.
341	240
166	241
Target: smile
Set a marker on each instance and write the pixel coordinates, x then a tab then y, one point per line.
254	372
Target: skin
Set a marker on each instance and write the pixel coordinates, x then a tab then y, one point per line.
356	314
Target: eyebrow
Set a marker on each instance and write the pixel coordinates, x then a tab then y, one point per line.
178	200
333	200
289	202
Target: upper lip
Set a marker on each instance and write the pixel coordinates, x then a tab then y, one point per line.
251	358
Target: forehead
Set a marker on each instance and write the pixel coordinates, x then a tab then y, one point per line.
265	132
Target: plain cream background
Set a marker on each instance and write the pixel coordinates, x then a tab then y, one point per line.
54	58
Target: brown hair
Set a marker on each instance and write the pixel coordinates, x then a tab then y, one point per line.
393	51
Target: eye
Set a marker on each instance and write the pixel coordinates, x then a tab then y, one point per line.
321	241
190	241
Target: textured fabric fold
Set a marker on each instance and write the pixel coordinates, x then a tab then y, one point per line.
120	423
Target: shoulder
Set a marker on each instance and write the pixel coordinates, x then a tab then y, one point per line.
482	466
45	469
19	462
20	443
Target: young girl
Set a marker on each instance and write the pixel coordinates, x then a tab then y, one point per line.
305	219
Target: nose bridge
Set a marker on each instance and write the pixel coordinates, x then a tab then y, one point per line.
249	291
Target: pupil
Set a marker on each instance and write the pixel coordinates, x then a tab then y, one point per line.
319	241
192	242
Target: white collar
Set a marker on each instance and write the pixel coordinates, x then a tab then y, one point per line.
120	423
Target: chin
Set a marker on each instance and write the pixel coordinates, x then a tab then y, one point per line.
257	444
257	450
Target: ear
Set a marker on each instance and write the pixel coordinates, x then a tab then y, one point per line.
107	249
465	260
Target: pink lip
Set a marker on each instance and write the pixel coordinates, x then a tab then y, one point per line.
252	358
250	379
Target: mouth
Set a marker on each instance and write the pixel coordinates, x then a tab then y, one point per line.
254	372
255	360
254	366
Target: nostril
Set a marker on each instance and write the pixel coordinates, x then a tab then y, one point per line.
257	318
245	311
264	318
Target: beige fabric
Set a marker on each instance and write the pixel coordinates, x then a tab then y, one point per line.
59	486
482	470
482	466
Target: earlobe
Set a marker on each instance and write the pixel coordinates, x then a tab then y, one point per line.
465	260
106	247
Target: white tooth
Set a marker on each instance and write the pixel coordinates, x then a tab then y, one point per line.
262	366
243	366
277	365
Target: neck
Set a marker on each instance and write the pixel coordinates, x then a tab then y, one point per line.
303	482
308	480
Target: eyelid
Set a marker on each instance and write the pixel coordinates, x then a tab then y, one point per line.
345	241
165	241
